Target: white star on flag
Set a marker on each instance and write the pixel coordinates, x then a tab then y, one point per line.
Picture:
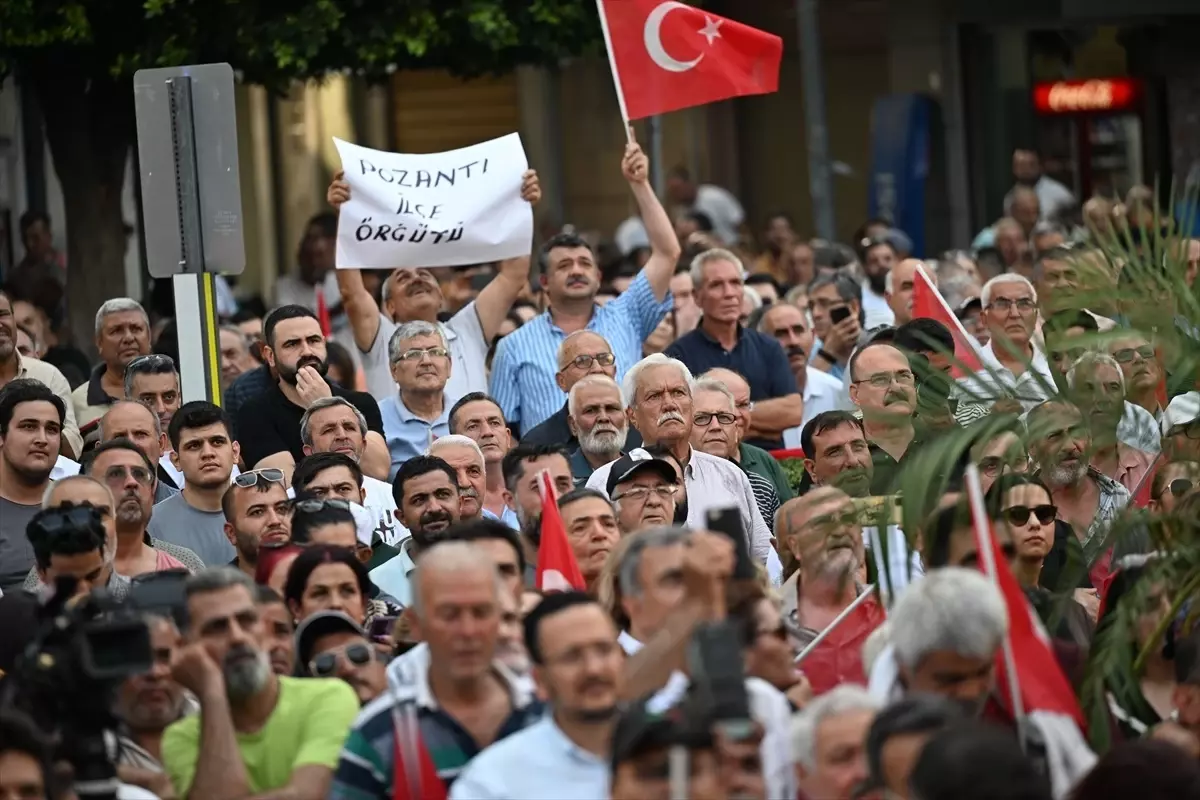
711	29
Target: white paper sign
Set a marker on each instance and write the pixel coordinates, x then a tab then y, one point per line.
433	210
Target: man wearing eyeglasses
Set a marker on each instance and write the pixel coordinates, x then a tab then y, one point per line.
1143	374
644	491
884	386
1012	362
420	411
331	645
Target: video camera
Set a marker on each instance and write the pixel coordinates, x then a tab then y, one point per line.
84	648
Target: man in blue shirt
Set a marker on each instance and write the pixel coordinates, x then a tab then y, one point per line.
419	413
565	756
525	366
722	341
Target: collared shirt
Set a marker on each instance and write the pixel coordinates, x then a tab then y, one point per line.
581	468
366	770
407	434
90	399
822	392
875	308
538	763
394	576
50	376
527	359
755	356
887	469
713	482
1033	386
1113	498
468	355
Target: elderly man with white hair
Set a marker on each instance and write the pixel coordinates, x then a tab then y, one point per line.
1014	366
829	742
597	419
658	398
420	411
122	334
1096	384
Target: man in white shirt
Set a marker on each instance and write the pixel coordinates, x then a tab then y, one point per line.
878	258
1053	197
718	204
334	425
820	391
1013	364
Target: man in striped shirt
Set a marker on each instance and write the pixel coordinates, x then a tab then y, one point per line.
525	367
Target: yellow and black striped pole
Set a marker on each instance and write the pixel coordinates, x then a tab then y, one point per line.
199	337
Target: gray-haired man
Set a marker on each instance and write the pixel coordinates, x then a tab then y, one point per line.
122	334
420	411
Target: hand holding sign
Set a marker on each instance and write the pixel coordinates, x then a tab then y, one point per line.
464	206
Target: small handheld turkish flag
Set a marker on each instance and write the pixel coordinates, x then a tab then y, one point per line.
557	570
666	56
927	303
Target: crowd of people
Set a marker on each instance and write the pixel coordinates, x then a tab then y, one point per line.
355	530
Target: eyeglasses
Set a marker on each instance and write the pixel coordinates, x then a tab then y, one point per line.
325	664
994	465
642	493
314	505
1019	515
585	361
251	478
116	475
417	353
1126	354
704	419
1004	305
882	380
747	406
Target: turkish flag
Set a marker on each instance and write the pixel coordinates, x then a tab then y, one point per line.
928	303
557	570
666	56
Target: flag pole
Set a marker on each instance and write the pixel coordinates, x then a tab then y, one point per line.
987	556
838	620
612	66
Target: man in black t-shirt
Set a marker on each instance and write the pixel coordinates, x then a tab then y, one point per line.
268	424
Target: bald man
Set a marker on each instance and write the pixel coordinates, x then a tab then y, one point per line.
898	288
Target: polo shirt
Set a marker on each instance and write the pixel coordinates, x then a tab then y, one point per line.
269	423
555	430
50	376
760	462
756	357
408	435
90	399
887	469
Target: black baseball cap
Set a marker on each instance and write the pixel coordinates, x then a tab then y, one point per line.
638	460
640	730
321	624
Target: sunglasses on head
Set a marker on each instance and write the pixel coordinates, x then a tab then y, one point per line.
325	664
313	505
1019	515
248	479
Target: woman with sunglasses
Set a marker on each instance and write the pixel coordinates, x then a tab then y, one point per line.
1026	509
767	650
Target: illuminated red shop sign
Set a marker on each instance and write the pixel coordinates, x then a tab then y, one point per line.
1097	94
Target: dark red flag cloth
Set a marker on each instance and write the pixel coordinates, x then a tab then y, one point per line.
557	570
838	659
668	56
928	304
323	314
425	784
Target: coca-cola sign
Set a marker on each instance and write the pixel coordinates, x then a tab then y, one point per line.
1075	97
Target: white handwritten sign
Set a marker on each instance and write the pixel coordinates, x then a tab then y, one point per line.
433	210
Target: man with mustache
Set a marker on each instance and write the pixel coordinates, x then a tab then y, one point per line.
597	419
644	490
262	733
1097	385
204	451
479	417
883	385
256	510
836	453
426	491
523	371
31	423
819	390
122	334
722	341
822	533
420	412
583	354
1088	500
466	459
333	426
269	423
658	395
411	295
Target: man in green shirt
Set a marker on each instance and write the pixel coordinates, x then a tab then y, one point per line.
256	732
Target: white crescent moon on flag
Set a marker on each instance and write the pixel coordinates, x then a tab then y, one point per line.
652	36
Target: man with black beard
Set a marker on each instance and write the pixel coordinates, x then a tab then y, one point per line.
427	497
268	424
262	734
878	258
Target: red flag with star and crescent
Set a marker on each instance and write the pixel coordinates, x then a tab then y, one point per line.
667	55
